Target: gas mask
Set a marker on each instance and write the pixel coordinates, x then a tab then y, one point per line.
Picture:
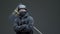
22	13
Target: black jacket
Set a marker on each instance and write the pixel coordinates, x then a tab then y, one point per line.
22	23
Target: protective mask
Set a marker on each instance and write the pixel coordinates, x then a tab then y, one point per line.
22	13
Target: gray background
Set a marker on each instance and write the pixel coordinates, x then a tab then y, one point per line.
45	13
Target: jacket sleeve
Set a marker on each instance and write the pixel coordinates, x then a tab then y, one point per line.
17	27
30	23
14	22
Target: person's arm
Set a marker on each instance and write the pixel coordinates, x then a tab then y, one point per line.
30	23
17	27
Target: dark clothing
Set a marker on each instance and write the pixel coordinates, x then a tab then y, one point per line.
23	24
31	32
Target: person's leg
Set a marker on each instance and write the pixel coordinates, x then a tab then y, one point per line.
31	32
26	32
18	33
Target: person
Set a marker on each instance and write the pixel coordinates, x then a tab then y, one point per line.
22	22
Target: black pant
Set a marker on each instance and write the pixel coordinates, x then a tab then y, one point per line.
19	32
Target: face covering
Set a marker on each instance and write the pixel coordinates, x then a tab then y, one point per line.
22	13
